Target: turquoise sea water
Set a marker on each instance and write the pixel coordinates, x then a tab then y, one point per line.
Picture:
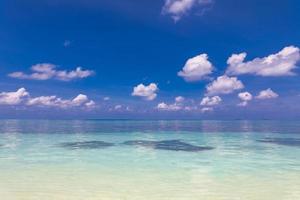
153	160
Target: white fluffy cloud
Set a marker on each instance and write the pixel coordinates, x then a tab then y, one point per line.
267	94
22	97
168	107
179	99
53	101
177	8
13	98
90	104
176	106
146	92
211	101
196	68
244	97
45	101
280	64
224	85
46	71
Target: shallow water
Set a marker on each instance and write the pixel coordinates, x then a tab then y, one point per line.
156	160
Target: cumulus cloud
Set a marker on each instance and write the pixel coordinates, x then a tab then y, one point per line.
54	101
22	97
176	106
279	64
179	99
90	104
46	71
81	98
211	101
168	107
267	94
245	97
178	8
196	68
45	101
146	92
13	98
224	85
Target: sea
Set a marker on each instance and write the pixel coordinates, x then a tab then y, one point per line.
149	160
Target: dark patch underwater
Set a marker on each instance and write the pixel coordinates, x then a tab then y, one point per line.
86	145
282	141
171	145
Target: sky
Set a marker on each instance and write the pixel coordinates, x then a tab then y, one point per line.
160	59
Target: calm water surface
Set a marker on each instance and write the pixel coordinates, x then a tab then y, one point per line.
153	160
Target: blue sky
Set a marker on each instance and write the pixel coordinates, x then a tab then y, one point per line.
122	44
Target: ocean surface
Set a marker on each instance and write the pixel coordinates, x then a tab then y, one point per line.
149	160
